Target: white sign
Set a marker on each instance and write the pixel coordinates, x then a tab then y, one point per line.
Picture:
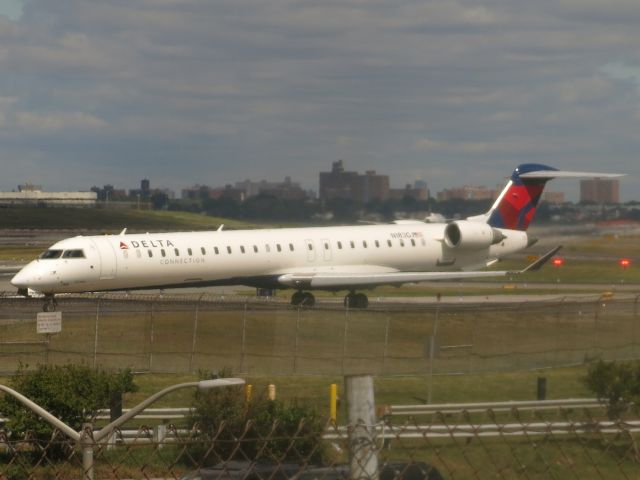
49	322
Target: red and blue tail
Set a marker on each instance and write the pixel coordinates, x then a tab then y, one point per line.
516	205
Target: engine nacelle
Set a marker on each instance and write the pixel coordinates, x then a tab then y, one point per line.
468	235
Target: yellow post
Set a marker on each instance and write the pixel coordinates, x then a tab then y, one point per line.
272	391
248	392
333	402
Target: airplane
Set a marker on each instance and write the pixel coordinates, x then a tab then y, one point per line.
331	258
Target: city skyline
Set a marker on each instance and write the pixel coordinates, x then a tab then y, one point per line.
187	91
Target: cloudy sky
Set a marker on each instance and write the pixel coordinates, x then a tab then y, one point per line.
215	91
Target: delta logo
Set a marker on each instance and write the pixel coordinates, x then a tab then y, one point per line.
146	244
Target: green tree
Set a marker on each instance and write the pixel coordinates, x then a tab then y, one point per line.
73	393
232	427
616	383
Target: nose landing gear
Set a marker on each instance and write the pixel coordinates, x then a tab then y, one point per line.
50	303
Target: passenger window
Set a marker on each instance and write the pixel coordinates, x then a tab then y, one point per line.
150	252
389	243
401	242
241	249
326	245
353	245
267	248
278	247
339	245
413	242
189	251
162	252
177	252
364	243
204	252
310	246
255	249
291	247
216	251
228	249
377	244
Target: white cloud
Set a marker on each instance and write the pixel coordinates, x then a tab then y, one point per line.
57	121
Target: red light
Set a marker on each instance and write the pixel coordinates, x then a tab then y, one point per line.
624	262
557	261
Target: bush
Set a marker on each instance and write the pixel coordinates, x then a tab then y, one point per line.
230	427
616	383
73	393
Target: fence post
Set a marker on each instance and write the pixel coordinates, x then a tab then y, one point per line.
86	442
95	338
363	452
151	332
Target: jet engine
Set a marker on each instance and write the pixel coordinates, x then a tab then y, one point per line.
467	235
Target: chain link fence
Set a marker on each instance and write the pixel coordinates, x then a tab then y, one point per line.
267	336
549	444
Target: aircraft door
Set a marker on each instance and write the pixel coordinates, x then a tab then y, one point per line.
326	249
108	260
311	250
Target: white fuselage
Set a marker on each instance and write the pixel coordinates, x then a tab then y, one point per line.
250	257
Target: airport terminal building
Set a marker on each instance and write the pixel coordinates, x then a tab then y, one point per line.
32	195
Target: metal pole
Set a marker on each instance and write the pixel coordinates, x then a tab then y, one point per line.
363	451
95	338
151	328
295	355
244	336
432	348
344	339
87	443
385	351
195	334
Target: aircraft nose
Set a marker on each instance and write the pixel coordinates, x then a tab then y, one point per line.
21	279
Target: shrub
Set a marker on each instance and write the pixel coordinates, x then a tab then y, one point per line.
616	383
73	393
230	427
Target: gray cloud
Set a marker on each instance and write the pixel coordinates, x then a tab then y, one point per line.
185	91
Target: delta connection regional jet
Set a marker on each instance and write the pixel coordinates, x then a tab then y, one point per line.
348	258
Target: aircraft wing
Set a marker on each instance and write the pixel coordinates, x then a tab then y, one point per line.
346	280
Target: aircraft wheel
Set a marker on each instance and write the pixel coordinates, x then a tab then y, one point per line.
49	305
309	300
356	300
297	298
362	301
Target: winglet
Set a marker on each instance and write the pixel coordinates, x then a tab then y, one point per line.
535	266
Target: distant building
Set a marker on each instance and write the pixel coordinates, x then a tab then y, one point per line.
418	191
339	183
286	190
467	192
600	190
236	194
32	195
555	198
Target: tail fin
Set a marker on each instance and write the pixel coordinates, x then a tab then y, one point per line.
517	203
515	206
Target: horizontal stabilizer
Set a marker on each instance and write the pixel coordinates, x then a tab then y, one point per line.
549	174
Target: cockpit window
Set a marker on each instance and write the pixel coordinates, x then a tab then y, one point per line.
73	254
50	254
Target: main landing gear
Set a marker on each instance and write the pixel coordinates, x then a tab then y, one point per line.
352	300
303	299
356	300
50	303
